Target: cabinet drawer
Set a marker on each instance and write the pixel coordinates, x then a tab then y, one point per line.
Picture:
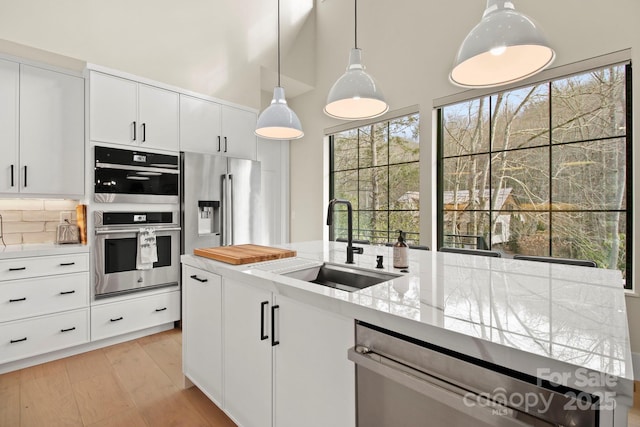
22	268
26	338
127	316
43	295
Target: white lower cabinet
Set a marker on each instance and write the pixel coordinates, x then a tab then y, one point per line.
314	380
121	317
247	354
44	304
33	336
285	362
43	295
202	331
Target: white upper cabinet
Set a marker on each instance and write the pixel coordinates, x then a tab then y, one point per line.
41	131
200	130
212	128
51	132
113	109
123	111
9	92
239	139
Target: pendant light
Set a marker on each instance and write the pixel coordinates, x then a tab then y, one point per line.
506	46
278	121
355	95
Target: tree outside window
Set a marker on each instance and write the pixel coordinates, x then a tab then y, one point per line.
376	168
541	170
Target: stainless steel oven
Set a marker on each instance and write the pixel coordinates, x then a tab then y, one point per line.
127	176
116	252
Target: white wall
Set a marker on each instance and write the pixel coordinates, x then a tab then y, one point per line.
409	46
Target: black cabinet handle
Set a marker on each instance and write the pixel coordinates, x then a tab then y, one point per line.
262	334
144	132
161	309
25	176
134	131
218	143
68	329
66	264
195	277
67	292
225	146
20	340
18	299
12	182
274	342
18	269
116	319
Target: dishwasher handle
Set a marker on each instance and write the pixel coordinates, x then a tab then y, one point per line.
490	412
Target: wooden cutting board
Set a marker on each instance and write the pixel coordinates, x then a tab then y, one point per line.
244	254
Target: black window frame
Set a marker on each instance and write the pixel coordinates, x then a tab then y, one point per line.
440	157
391	234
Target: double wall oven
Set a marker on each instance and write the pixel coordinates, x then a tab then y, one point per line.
145	187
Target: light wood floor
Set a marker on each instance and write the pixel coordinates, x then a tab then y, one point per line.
134	384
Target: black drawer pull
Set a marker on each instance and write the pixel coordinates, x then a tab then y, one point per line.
66	264
18	269
20	340
116	319
67	330
18	299
161	309
67	292
274	341
195	277
263	336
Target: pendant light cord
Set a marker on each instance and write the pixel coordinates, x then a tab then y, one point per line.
279	43
355	14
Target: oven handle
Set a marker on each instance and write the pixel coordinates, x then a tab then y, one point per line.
136	168
460	400
158	230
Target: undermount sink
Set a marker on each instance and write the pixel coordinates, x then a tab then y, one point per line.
348	279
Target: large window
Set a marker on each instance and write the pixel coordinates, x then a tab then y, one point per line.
376	168
541	170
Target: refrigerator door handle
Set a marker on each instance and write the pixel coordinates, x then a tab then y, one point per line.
231	209
223	215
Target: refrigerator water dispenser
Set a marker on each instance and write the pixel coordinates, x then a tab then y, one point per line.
208	217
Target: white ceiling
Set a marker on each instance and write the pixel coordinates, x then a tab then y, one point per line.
201	45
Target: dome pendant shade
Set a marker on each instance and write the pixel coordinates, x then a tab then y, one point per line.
356	94
278	121
506	46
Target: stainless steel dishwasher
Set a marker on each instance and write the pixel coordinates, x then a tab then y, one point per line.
403	382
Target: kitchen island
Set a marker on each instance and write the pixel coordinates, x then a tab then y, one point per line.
563	324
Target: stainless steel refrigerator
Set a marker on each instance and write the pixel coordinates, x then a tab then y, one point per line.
220	201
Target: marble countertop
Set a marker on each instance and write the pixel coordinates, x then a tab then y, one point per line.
40	249
563	323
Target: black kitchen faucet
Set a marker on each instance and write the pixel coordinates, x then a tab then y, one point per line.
350	249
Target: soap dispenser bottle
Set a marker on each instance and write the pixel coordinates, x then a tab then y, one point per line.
400	252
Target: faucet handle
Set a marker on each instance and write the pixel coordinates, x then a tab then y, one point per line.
379	259
357	250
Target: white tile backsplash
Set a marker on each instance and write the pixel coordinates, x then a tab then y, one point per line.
33	220
21	205
30	216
